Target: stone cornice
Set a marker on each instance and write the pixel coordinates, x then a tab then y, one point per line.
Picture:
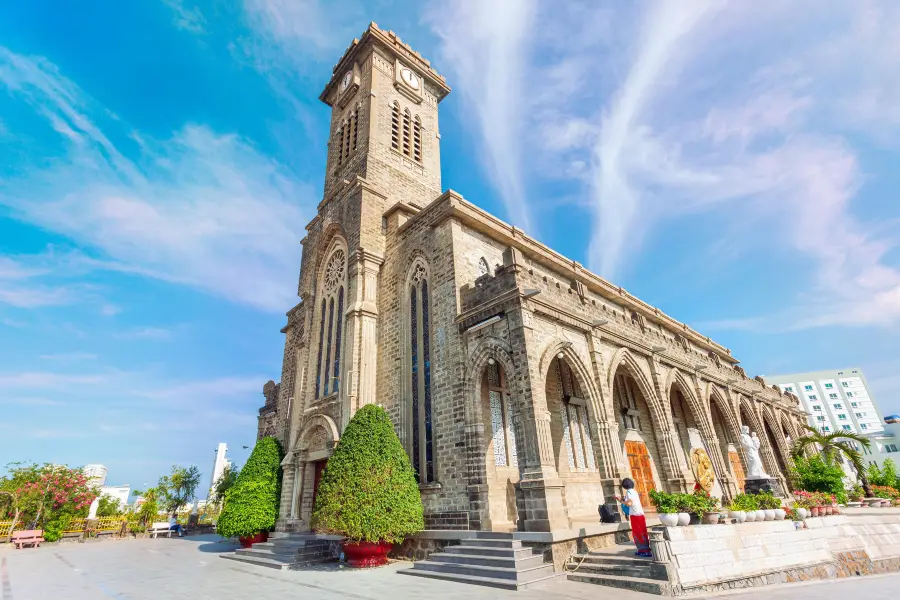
390	42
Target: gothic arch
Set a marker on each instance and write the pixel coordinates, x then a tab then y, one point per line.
772	427
725	408
624	357
577	364
701	412
332	235
324	421
489	347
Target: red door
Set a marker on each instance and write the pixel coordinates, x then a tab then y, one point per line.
320	468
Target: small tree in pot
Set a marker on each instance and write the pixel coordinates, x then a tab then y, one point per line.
368	493
251	505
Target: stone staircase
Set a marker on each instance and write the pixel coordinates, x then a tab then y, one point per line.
488	558
618	567
285	551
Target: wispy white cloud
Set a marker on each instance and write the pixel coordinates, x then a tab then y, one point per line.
188	18
208	391
48	380
486	47
69	356
301	26
200	209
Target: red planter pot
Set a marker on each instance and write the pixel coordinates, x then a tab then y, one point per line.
367	554
829	510
816	511
248	541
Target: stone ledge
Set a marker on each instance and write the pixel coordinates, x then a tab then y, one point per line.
559	535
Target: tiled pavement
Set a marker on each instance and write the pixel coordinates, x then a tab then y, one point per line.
191	568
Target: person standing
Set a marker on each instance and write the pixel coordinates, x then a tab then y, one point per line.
638	522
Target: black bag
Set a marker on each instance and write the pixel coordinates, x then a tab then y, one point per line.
608	514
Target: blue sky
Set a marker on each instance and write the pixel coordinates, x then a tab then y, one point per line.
734	165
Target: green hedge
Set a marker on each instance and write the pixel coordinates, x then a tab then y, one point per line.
368	491
251	505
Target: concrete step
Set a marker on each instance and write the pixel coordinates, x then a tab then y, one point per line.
271	563
520	576
292	556
482	551
509	562
507	584
493	535
491	543
640	571
637	584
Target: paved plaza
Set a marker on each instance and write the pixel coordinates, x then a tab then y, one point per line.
191	568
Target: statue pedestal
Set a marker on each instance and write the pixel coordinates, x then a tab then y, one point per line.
756	485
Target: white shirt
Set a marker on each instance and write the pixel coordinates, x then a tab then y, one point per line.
173	521
636	508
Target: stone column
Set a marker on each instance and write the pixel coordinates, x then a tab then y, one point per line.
720	466
541	486
360	354
607	446
476	470
666	438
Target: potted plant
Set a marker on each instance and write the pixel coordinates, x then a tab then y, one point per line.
685	505
705	507
368	493
803	503
771	506
744	505
251	505
666	507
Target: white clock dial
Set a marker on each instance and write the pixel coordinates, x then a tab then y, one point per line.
411	79
345	82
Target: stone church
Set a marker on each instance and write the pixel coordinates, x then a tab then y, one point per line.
523	386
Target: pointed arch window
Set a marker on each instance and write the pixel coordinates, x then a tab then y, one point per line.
503	435
354	129
576	425
407	120
395	126
328	363
417	139
420	412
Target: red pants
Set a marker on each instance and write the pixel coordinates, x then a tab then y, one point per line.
639	533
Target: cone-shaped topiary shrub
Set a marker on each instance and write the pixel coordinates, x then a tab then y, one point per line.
368	492
251	505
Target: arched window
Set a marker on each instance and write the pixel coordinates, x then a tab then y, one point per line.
500	403
354	129
483	268
573	412
328	371
417	139
407	119
340	141
422	432
346	138
395	126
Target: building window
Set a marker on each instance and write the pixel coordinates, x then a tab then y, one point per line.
890	447
837	406
576	429
849	394
395	126
813	397
333	280
853	404
826	429
500	404
828	386
788	389
820	419
860	415
847	428
863	426
842	417
833	396
845	384
817	407
808	388
420	375
407	121
417	139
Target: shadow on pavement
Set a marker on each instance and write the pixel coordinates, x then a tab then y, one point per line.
211	542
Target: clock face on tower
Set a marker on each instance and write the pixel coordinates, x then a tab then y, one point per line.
411	79
345	82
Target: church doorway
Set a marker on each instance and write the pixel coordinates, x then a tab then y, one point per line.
738	469
319	468
641	471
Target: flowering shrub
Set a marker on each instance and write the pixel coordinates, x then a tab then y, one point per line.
47	496
806	499
883	491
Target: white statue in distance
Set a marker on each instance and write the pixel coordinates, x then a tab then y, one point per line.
751	451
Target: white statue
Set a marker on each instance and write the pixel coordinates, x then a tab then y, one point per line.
751	451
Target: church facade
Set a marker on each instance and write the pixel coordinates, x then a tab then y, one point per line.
523	386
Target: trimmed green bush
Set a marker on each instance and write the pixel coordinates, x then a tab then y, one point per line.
251	505
368	491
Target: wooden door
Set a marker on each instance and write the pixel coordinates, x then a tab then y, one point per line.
641	471
738	469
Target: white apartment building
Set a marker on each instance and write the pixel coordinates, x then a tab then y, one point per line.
218	467
835	400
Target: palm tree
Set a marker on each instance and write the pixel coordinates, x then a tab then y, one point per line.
831	446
